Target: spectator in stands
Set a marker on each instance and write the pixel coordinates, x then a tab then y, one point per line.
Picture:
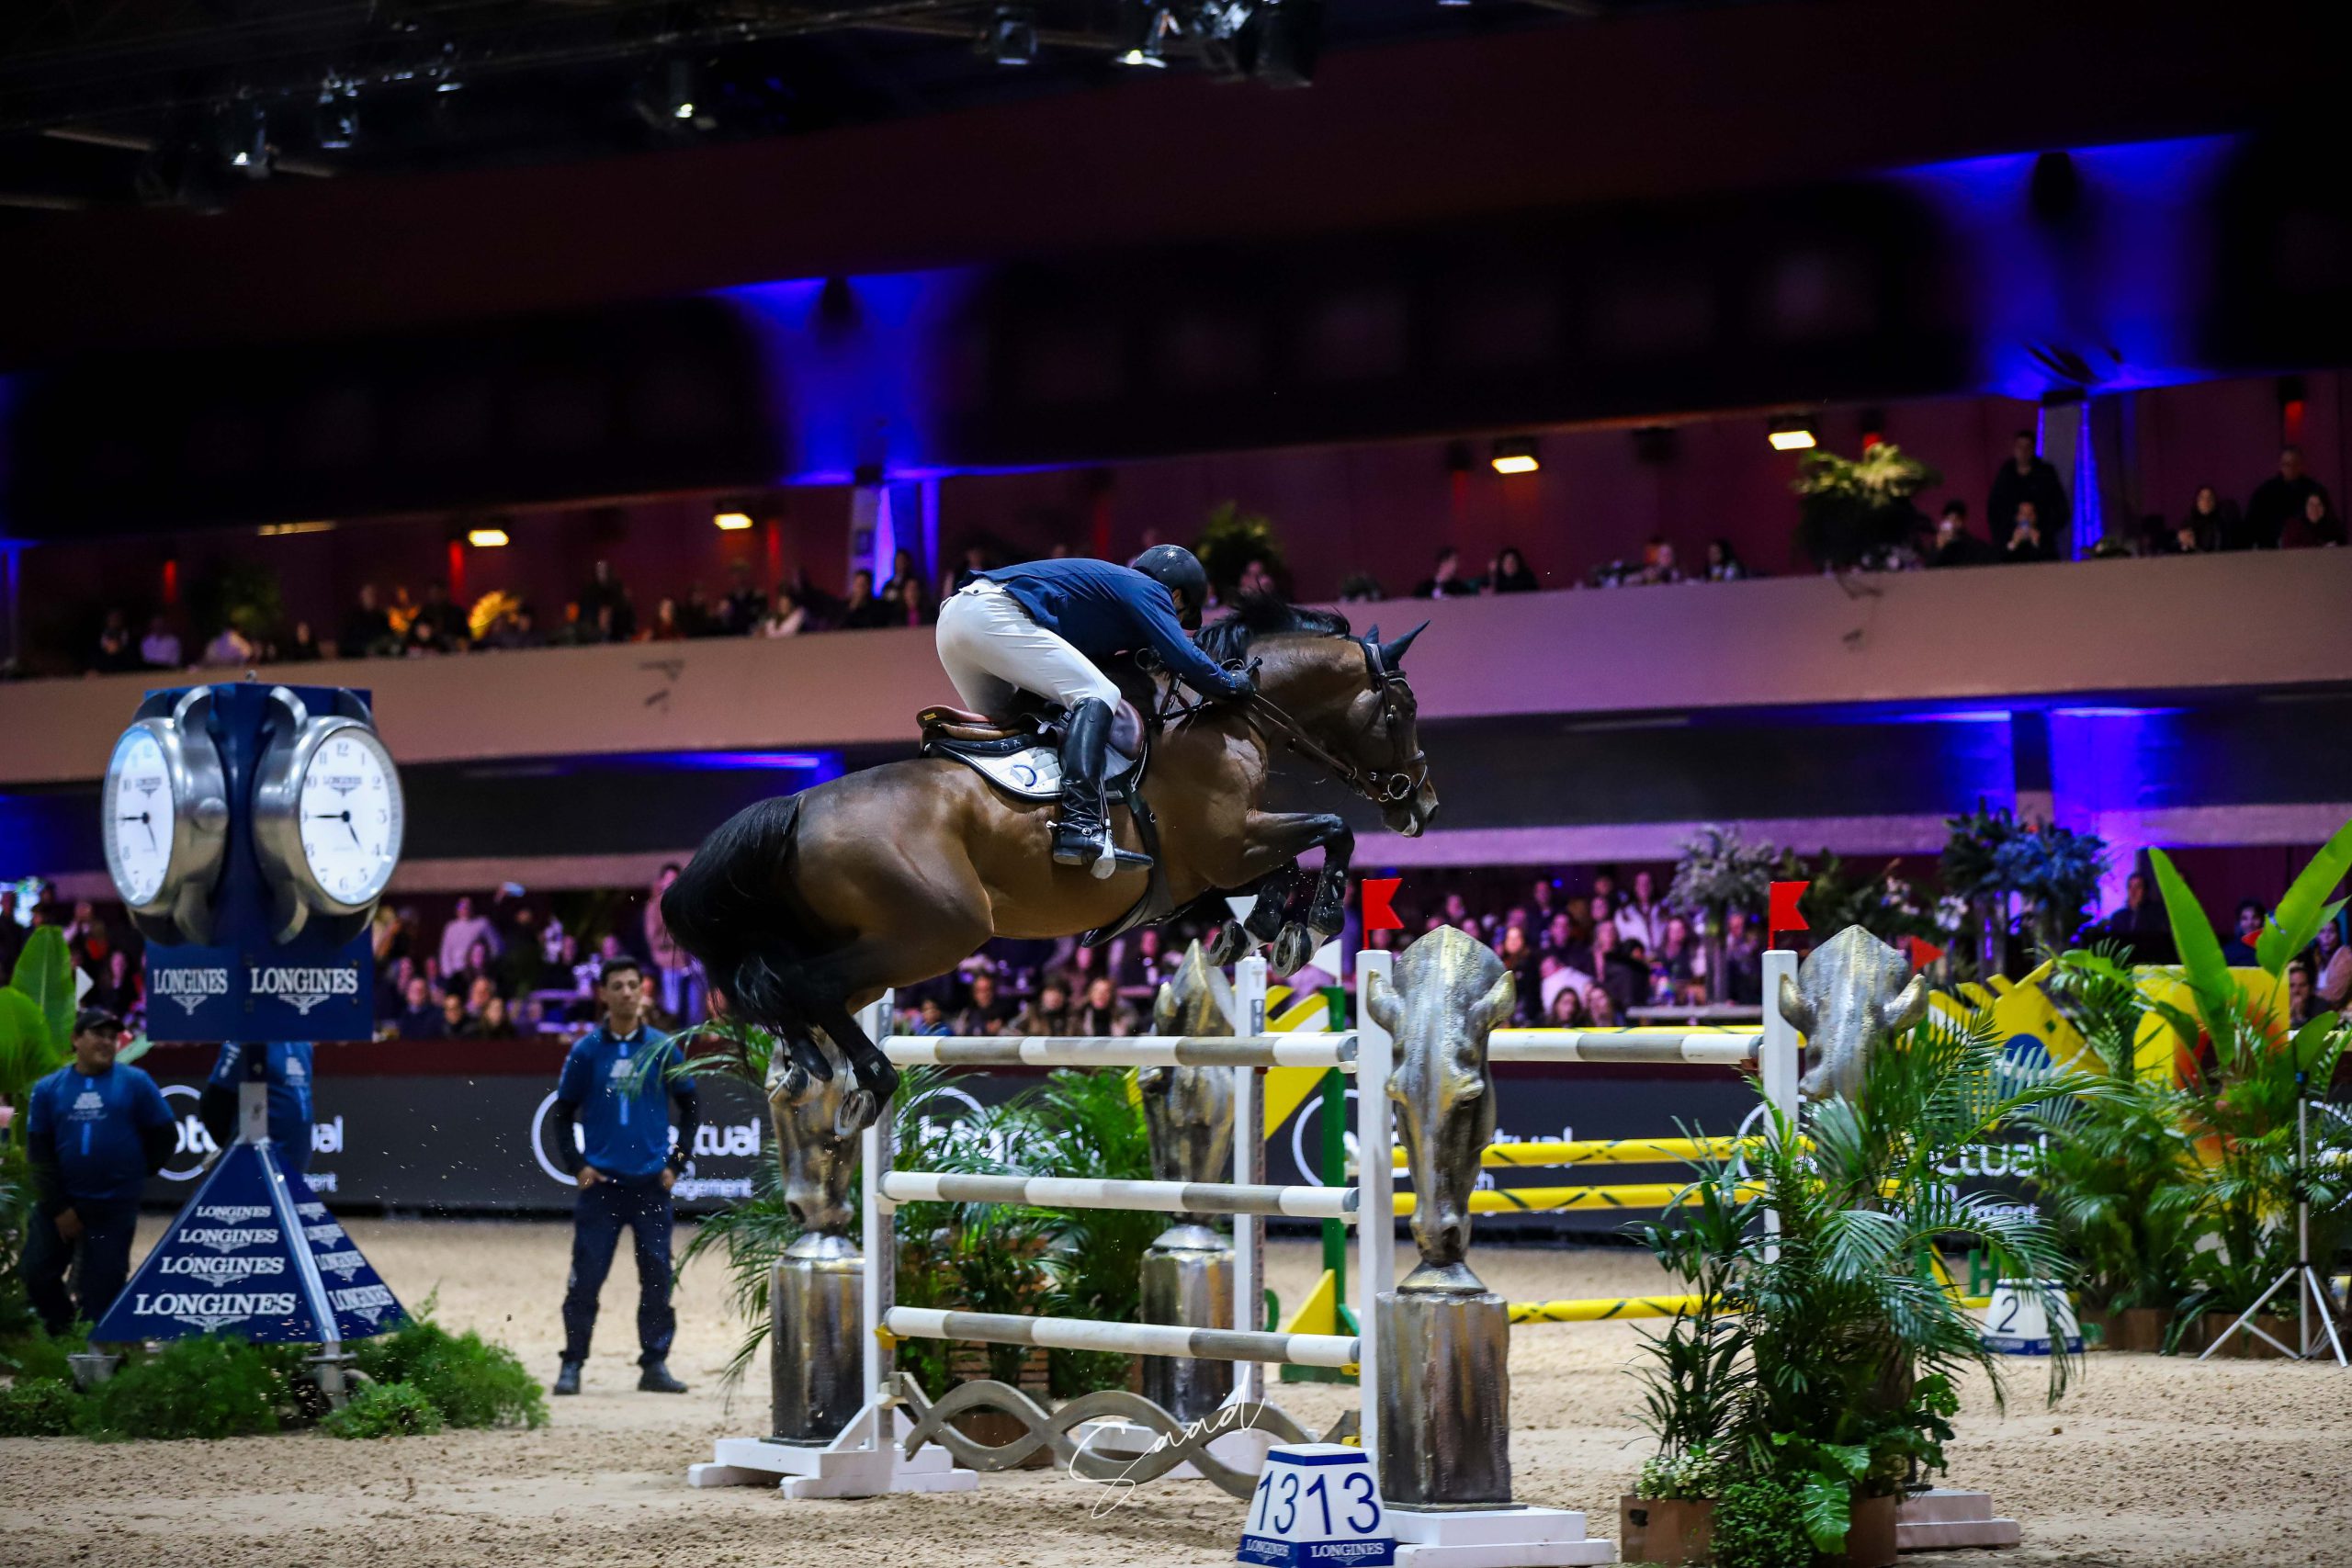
1564	1006
666	627
1642	918
2026	541
2332	961
1743	959
1657	561
480	991
302	647
1049	1010
464	929
745	606
699	614
438	626
1103	1011
930	1021
1682	957
902	571
1955	545
115	652
1445	579
1600	1008
860	609
115	986
787	618
2026	478
679	977
160	649
494	1022
1510	573
1518	957
983	1012
2140	921
1558	978
2211	524
401	614
2239	950
12	932
1724	564
2299	994
604	606
904	604
2280	499
419	1019
228	648
2317	526
454	1022
367	631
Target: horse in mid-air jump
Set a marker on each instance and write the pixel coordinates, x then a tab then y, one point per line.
805	908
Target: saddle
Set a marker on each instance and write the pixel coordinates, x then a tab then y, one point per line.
1023	758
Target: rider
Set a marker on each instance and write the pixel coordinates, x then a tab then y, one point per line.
1047	628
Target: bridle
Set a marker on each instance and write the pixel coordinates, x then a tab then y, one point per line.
1381	787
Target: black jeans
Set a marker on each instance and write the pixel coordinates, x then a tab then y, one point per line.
598	1217
99	1261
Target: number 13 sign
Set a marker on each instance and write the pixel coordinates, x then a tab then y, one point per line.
1317	1504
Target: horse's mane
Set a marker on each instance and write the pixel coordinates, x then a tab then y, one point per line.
1258	616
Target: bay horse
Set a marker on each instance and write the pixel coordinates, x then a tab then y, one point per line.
805	908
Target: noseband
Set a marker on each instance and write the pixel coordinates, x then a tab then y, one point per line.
1381	787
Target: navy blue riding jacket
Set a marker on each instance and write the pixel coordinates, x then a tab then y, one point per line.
1105	610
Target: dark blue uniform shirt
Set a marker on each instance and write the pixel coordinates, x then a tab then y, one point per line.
1105	610
626	1134
100	1123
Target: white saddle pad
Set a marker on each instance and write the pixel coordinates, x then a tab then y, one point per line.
1035	773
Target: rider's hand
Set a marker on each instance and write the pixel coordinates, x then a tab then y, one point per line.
589	1176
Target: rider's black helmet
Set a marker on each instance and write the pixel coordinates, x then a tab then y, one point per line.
1173	565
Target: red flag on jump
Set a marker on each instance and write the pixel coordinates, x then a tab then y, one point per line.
1924	953
1379	909
1782	912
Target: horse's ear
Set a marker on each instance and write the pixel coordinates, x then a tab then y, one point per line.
1387	1010
1372	634
1496	1005
1391	654
1794	1007
1903	1012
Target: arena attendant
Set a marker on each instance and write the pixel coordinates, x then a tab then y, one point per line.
96	1131
616	1088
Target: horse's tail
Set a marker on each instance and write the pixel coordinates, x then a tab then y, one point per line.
727	907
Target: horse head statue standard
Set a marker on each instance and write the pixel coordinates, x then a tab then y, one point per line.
1847	996
1188	1112
1450	993
817	1123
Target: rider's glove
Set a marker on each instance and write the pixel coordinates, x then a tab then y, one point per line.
1241	679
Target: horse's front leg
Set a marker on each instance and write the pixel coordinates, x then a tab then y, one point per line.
1308	911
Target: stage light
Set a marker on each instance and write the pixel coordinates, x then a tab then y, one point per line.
244	140
1791	433
486	538
1011	38
1150	27
338	117
732	522
289	530
1515	454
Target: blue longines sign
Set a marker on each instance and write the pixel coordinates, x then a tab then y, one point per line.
255	1254
275	993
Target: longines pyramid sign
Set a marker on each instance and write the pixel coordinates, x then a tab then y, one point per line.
256	1255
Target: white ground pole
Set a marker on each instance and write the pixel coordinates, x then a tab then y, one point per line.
1248	1170
863	1459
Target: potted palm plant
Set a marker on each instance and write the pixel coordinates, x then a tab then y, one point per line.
1846	1343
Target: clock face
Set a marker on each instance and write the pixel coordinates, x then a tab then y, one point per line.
139	817
350	804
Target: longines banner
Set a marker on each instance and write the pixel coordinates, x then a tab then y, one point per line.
422	1143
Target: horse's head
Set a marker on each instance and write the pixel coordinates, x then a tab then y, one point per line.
1188	1112
1347	693
817	1123
1450	993
1847	996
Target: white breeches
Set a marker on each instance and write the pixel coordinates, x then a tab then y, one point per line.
991	649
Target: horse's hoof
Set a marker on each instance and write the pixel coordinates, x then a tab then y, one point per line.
1227	943
1293	945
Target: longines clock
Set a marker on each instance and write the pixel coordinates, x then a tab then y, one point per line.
327	815
166	822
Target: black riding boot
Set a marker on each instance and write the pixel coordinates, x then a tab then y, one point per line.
1082	837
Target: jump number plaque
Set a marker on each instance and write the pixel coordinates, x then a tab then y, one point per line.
1317	1504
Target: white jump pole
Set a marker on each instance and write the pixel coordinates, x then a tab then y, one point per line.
1375	1187
1777	1065
1248	1170
880	1232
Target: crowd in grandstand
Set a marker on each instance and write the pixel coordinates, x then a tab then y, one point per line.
2025	513
1588	949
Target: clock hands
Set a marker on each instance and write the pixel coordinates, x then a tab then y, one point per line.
342	816
146	820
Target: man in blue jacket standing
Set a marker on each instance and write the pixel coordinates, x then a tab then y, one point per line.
617	1091
1046	629
96	1132
286	1070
